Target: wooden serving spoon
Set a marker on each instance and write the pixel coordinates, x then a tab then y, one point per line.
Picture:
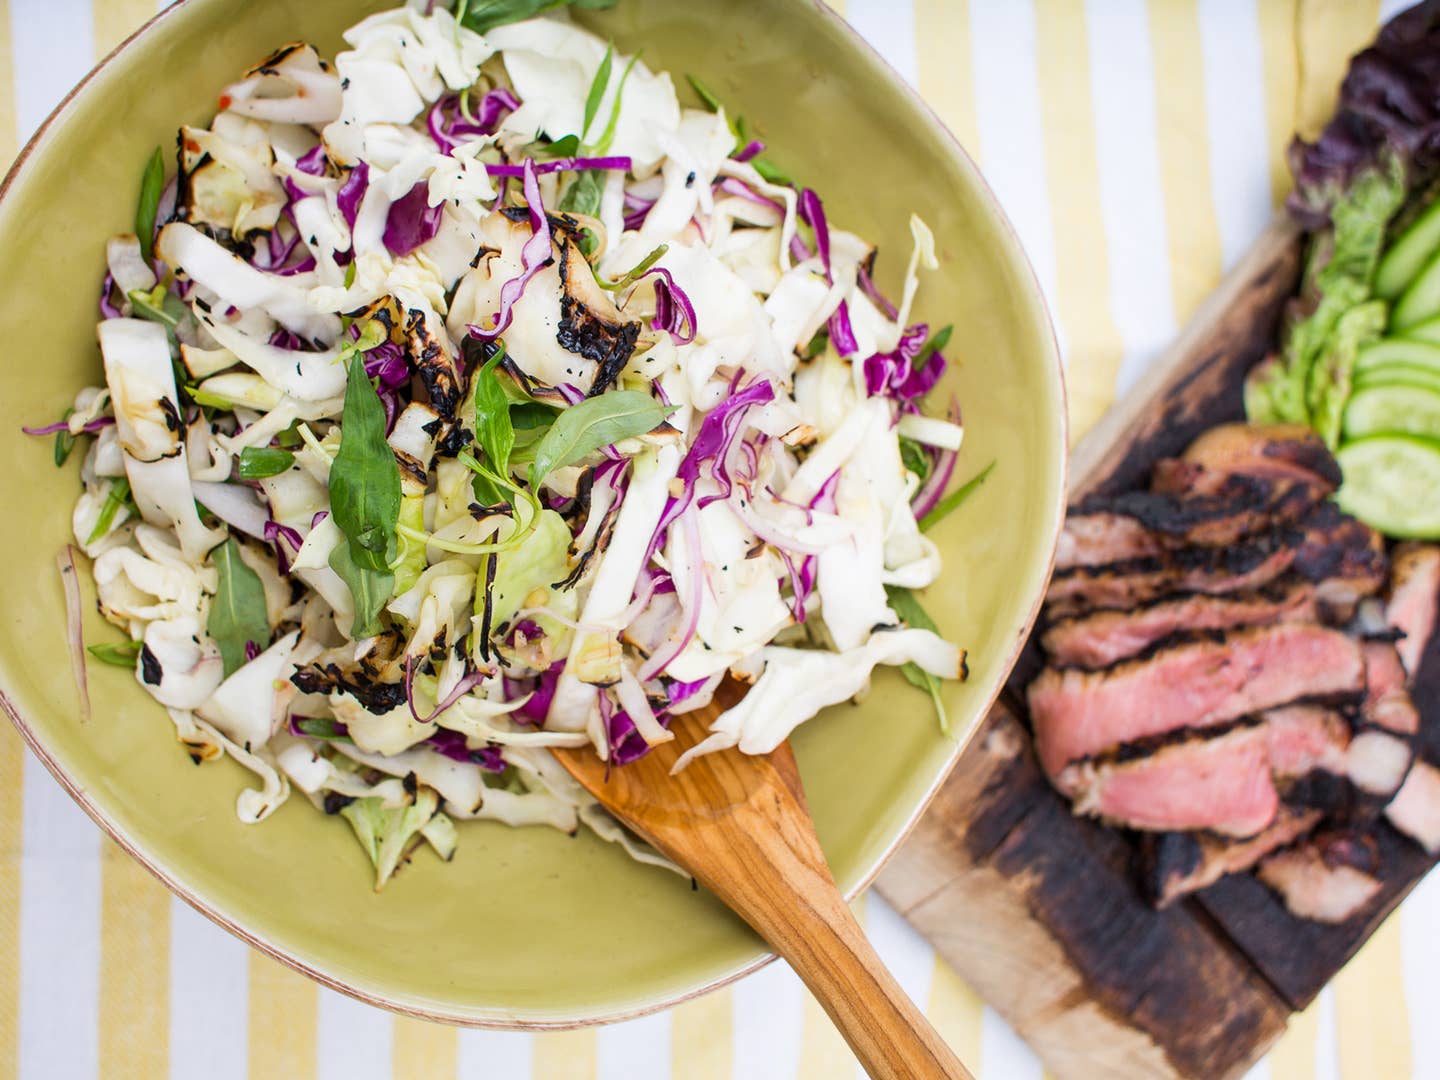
739	824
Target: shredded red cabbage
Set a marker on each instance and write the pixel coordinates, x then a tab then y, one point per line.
617	164
752	149
731	186
471	680
449	127
108	308
542	692
90	428
411	220
870	289
452	745
895	375
274	533
942	467
533	257
802	578
626	743
842	335
674	313
347	199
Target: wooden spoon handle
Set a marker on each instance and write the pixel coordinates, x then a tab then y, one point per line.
794	905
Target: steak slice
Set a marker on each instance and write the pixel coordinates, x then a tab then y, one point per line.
1175	864
1198	684
1330	877
1221	784
1107	637
1103	537
1415	810
1301	739
1414	594
1290	451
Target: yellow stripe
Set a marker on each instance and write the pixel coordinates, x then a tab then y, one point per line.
957	1013
564	1055
422	1050
823	1052
947	76
1194	235
115	20
283	1008
8	145
837	6
1328	33
1082	272
1372	1024
1294	1055
702	1036
12	773
134	969
1276	20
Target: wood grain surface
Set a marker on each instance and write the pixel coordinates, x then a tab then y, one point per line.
1038	909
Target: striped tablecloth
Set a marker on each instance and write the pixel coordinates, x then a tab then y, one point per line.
1139	150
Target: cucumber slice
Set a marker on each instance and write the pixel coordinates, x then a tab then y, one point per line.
1408	255
1392	483
1420	301
1398	351
1399	375
1392	410
1427	330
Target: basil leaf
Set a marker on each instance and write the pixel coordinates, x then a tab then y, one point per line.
938	341
152	184
583	195
908	608
704	93
64	441
597	89
116	497
950	503
493	429
368	587
483	16
118	653
569	146
364	478
237	613
258	462
595	422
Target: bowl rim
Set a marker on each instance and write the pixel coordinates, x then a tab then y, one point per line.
1030	283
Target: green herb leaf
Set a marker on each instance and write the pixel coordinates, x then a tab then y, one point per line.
914	458
950	503
207	399
152	184
482	16
635	272
531	416
369	588
771	173
115	498
319	727
569	146
159	305
237	613
938	341
364	478
914	616
258	462
595	422
64	441
704	93
350	273
290	438
608	136
493	429
118	653
816	345
583	194
597	89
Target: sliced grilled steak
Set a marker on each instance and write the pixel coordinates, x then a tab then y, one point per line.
1330	877
1107	637
1178	863
1301	739
1384	744
1221	784
1415	810
1101	538
1345	555
1281	450
1078	714
1414	594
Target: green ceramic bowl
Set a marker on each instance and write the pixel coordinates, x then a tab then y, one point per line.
526	927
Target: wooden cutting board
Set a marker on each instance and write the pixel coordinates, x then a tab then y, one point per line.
1037	909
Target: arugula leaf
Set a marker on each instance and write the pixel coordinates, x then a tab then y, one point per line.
569	146
950	503
482	16
531	415
364	478
64	441
704	93
595	422
914	616
152	184
938	341
118	653
258	462
369	588
597	89
116	497
237	613
583	194
493	429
